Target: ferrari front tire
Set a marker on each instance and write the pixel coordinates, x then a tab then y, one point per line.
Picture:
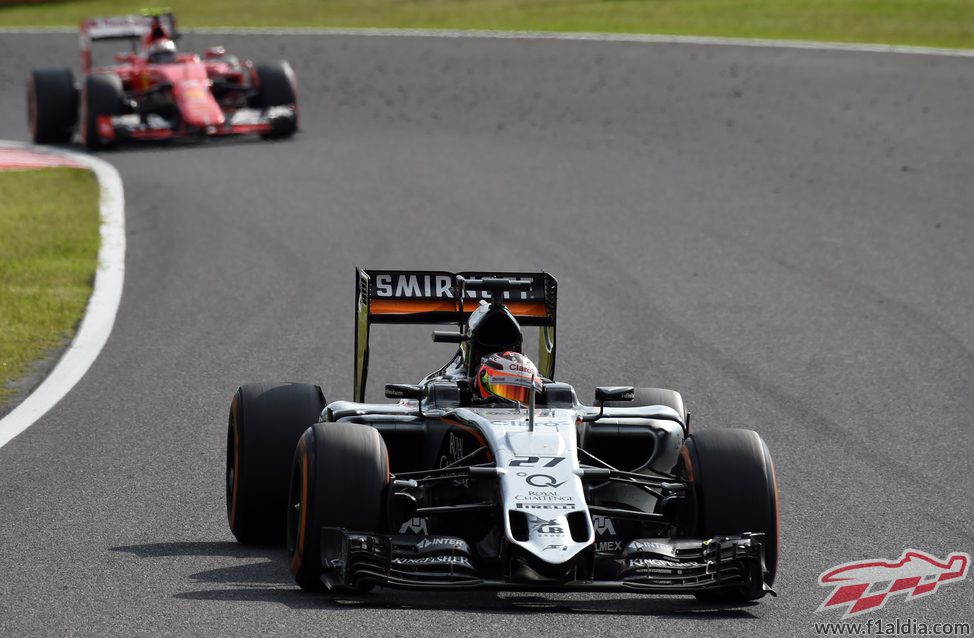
266	420
102	95
339	478
52	106
276	86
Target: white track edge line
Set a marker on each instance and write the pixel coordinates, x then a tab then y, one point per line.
106	295
553	35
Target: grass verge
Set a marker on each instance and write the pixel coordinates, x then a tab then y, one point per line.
48	252
947	23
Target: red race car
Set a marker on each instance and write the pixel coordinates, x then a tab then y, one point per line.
156	92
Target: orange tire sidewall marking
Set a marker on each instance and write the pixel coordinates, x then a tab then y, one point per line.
777	515
687	465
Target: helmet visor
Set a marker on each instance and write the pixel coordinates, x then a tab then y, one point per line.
514	386
511	392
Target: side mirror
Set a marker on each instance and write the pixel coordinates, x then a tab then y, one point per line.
215	52
614	393
610	393
403	391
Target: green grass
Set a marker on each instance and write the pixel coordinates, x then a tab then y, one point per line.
48	253
948	23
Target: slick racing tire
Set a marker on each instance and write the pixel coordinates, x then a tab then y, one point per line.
276	86
266	421
102	95
52	106
733	481
339	478
653	396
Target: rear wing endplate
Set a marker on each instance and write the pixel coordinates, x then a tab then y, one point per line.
439	297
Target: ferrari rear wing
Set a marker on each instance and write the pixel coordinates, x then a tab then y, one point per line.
130	27
439	297
126	27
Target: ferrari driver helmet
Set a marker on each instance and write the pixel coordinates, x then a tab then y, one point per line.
162	52
509	375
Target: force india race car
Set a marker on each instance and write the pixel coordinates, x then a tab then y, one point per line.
453	488
157	93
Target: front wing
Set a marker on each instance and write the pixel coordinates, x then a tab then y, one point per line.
652	565
123	128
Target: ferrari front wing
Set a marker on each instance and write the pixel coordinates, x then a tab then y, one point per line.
133	127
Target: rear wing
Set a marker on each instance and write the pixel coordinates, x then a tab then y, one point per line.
439	297
130	27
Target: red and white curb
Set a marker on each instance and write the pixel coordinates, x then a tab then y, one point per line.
14	158
105	298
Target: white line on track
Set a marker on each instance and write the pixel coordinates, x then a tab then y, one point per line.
102	305
551	35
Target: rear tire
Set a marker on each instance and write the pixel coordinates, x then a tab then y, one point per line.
732	477
266	421
339	478
52	106
102	95
277	86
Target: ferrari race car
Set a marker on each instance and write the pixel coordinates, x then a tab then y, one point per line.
489	473
158	93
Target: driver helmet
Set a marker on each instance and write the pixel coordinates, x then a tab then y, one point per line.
161	52
508	375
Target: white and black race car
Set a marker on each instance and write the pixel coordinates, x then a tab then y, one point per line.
448	489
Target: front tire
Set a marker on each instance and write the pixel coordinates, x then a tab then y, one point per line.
102	96
266	420
339	478
733	479
52	106
277	86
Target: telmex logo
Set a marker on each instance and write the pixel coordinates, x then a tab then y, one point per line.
864	586
428	286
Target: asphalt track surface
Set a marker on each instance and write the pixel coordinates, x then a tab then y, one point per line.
784	236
